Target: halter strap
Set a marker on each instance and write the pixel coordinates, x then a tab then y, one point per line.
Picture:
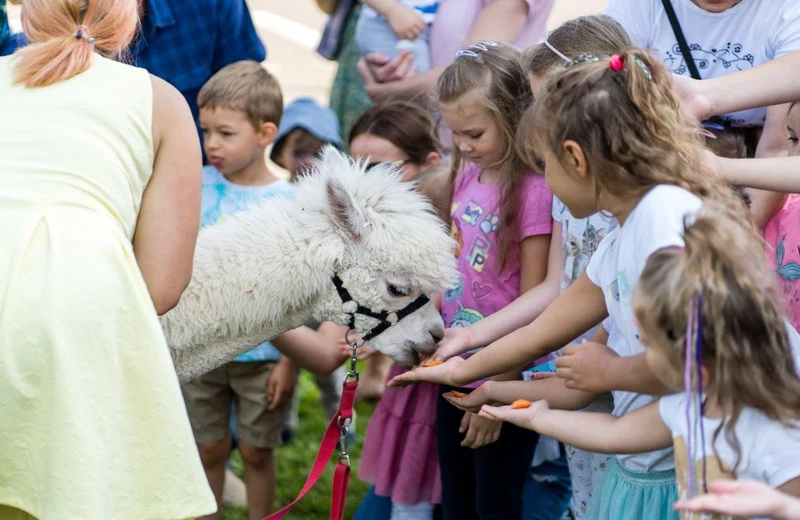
385	318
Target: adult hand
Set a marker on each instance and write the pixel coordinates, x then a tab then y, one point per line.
694	100
383	69
457	340
473	402
406	23
480	430
583	366
742	498
280	387
442	374
522	417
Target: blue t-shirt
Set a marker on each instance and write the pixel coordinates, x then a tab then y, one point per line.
221	198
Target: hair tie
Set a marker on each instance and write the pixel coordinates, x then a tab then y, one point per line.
616	63
639	63
482	46
81	33
557	52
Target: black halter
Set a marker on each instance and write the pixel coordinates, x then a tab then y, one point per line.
385	318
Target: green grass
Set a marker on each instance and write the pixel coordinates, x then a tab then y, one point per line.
295	459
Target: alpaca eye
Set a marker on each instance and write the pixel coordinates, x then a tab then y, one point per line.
398	291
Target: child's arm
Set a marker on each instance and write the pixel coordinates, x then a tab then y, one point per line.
637	432
575	311
744	498
310	349
774	173
593	367
517	314
553	390
405	22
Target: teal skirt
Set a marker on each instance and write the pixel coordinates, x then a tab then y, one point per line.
626	495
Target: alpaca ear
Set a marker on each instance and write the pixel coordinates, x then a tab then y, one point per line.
344	211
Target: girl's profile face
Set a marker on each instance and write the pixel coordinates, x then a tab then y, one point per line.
475	132
576	192
793	129
657	347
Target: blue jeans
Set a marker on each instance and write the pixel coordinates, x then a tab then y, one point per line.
548	490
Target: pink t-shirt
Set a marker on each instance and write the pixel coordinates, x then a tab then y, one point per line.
782	235
483	290
455	18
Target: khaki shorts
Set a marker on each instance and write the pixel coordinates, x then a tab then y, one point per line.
209	398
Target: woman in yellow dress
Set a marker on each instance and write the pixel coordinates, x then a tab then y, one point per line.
100	175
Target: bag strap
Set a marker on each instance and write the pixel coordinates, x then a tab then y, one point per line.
341	477
676	28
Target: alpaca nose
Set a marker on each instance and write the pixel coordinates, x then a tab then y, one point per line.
437	335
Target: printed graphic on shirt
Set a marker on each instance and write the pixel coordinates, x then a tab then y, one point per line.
732	57
472	213
466	317
490	223
479	253
455	292
578	249
788	273
457	235
714	470
480	290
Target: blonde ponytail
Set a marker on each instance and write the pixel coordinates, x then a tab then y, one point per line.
745	343
64	34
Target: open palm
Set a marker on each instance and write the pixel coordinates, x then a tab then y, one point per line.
442	374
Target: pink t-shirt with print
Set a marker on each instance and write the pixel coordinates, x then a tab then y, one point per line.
782	235
483	290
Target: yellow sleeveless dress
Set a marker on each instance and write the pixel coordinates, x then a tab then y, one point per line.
92	423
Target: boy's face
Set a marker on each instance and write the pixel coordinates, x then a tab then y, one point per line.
715	6
793	128
230	140
298	151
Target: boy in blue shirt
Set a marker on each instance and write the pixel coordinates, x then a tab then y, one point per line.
240	110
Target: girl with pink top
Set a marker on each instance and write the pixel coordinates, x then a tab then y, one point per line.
501	222
782	234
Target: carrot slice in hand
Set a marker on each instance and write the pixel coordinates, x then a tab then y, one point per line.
520	404
458	395
432	363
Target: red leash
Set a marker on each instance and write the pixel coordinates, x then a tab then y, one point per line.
337	433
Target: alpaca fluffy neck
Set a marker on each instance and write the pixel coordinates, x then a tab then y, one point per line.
256	275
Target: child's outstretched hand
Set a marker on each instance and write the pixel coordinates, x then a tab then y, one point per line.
364	351
406	23
442	374
523	417
457	340
743	498
480	430
694	100
473	402
583	366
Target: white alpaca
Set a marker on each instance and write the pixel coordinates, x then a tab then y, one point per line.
266	271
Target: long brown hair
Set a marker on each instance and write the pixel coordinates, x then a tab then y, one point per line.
64	34
406	125
745	345
506	95
629	125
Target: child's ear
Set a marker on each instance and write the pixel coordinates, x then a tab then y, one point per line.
432	159
575	159
267	133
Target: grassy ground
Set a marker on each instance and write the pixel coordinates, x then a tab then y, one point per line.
294	461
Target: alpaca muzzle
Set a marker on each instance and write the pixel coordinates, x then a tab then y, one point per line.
385	318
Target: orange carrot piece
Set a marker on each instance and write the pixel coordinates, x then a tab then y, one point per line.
458	395
432	363
520	404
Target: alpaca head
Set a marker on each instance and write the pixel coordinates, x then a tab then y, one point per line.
387	246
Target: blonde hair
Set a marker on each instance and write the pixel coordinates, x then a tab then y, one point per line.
494	68
629	125
597	34
744	340
246	86
64	34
